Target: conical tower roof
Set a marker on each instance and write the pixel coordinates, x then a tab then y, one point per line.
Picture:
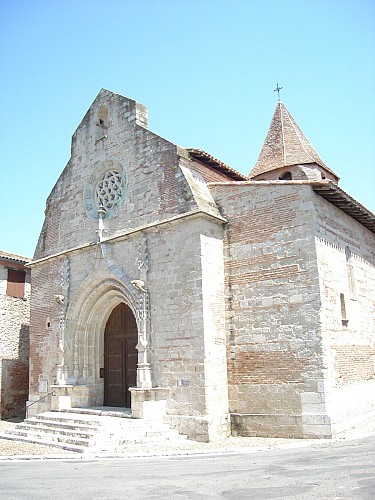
285	145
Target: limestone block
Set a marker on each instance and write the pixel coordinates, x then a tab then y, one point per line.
311	398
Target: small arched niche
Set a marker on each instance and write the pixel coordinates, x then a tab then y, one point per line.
285	176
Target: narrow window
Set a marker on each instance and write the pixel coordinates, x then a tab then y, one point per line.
344	319
102	123
103	117
350	273
16	283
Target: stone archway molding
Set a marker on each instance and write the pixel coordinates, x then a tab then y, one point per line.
87	315
82	343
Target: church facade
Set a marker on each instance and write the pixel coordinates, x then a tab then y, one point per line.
166	282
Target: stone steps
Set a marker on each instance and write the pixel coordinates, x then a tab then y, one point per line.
76	445
44	420
98	429
50	428
100	411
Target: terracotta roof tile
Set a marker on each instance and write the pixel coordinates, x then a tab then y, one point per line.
14	257
218	165
285	145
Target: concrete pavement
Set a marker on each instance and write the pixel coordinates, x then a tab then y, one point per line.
327	470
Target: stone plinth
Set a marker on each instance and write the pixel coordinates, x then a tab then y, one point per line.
72	396
149	404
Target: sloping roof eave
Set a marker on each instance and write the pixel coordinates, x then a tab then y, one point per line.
289	165
207	159
342	200
328	190
13	258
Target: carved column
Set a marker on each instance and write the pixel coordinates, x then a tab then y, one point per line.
144	366
144	379
63	301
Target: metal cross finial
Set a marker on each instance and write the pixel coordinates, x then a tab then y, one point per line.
277	89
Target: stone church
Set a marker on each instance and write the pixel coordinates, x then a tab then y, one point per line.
167	282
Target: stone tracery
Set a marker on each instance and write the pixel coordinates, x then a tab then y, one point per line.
109	189
106	187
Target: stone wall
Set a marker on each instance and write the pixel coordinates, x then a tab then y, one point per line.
167	232
188	354
275	367
14	346
187	311
241	282
346	262
155	187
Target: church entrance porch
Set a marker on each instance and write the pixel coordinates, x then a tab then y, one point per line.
120	357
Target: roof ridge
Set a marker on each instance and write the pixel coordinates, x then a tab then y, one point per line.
297	131
282	132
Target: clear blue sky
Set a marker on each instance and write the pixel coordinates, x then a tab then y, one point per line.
206	70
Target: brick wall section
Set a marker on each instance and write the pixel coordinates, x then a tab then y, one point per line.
51	228
14	347
160	176
209	174
349	345
14	390
278	367
272	306
355	362
258	221
44	324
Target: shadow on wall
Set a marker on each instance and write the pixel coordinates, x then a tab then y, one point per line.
15	379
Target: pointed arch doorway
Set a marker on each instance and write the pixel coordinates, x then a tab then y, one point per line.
120	356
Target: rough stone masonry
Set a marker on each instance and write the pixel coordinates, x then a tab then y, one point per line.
253	296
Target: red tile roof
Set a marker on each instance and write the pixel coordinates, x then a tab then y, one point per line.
285	145
14	257
216	164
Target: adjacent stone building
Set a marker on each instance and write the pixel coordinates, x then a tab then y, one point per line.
14	334
165	281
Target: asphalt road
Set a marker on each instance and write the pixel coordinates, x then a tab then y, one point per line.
333	470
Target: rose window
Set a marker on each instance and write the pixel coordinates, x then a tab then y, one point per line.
109	189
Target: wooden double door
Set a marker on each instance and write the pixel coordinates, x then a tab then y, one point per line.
120	356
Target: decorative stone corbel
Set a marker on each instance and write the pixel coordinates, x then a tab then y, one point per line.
60	299
101	231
